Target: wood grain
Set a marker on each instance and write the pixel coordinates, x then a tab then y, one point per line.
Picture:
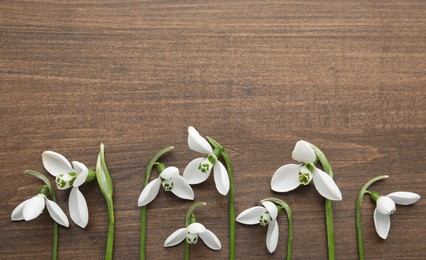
349	76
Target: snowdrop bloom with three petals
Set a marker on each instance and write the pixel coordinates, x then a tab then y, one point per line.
191	234
33	207
385	206
198	170
265	216
290	176
68	176
171	181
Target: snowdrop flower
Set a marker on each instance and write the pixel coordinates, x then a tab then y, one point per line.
33	207
265	216
290	176
68	176
198	170
171	181
385	206
191	234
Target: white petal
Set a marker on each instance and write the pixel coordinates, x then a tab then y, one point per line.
56	163
303	152
196	228
57	213
194	175
251	215
326	186
197	143
286	178
382	223
176	237
34	207
221	178
404	197
169	172
18	212
181	188
271	208
210	239
272	236
82	173
149	193
385	205
78	208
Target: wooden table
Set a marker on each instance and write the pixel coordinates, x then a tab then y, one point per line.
349	76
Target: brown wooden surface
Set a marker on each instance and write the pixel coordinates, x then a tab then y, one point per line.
349	76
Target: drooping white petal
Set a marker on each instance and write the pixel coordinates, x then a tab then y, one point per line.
78	208
197	143
286	178
272	236
194	175
149	193
57	213
271	208
303	152
221	178
404	197
18	212
169	172
196	228
382	223
181	188
34	207
326	186
56	163
82	173
385	205
251	215
210	239
176	237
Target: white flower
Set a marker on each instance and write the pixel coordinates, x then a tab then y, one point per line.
32	208
290	176
385	206
265	216
66	177
198	170
191	233
171	181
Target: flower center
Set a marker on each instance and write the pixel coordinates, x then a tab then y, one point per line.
167	184
207	164
191	238
305	175
264	219
65	180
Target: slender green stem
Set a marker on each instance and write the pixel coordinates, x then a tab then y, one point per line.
328	205
111	221
53	196
284	205
150	166
231	197
358	212
190	218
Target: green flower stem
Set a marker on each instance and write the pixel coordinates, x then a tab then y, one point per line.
105	184
228	162
49	186
189	219
151	164
284	205
328	204
358	212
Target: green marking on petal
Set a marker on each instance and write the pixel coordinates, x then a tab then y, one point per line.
264	219
191	238
305	174
167	184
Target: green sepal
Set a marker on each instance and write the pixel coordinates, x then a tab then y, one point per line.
102	175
